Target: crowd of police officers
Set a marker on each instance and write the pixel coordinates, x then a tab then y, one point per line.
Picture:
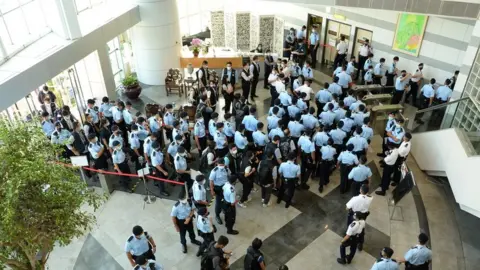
297	142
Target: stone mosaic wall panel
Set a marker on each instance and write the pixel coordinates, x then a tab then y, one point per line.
266	28
278	36
243	31
230	30
217	28
254	31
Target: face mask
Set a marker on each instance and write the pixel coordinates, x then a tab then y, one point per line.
291	33
212	86
234	152
95	140
205	66
398	125
229	68
202	183
390	118
200	120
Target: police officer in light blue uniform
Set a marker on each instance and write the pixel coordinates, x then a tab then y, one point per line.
250	123
120	164
168	121
105	109
142	132
259	138
347	123
322	97
334	88
359	175
395	136
349	99
310	122
240	139
276	131
173	146
158	164
289	173
127	114
427	94
360	144
140	243
444	93
338	136
367	130
272	119
116	136
386	262
182	217
281	111
96	150
147	146
200	133
154	122
327	118
205	229
419	256
220	141
229	195
307	148
47	125
356	104
218	177
400	86
327	154
345	161
60	135
296	128
333	102
228	129
293	109
135	146
91	111
177	129
340	112
321	137
285	99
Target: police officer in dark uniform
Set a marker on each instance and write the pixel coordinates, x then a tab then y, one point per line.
255	71
228	85
182	215
140	243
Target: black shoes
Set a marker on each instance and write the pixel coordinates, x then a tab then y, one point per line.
320	189
232	232
254	96
381	155
196	242
219	220
393	184
184	248
380	192
360	247
341	261
305	186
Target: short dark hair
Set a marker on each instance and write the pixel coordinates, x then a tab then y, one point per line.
363	159
370	55
326	84
253	110
291	156
382	60
255	57
276	138
169	106
222	240
448	81
408	135
260	125
422	238
246	63
205	62
229	63
275	110
395	58
45	114
105	99
91	101
141	260
137	230
257	243
433	81
45	87
457	72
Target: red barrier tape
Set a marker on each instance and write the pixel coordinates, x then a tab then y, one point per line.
124	174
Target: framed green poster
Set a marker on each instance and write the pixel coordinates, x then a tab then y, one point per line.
409	33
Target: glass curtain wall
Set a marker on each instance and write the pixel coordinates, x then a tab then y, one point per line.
121	57
194	15
21	23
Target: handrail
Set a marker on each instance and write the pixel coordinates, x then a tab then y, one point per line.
442	105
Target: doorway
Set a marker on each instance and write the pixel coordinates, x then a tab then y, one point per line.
313	20
335	30
360	36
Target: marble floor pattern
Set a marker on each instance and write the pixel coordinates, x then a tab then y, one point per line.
304	236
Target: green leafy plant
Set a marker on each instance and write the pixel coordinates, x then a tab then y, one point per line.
40	199
130	81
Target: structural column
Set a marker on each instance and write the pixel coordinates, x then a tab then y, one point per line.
156	40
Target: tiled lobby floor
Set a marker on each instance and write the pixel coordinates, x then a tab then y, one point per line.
305	236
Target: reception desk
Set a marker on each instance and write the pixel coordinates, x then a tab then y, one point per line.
213	62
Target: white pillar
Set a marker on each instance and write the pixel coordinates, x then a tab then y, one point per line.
156	40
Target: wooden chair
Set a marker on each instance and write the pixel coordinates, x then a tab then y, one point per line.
174	82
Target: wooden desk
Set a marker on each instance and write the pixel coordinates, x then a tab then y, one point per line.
213	62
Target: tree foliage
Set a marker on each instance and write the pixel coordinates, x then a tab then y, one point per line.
40	200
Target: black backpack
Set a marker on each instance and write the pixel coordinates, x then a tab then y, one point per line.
206	262
265	171
204	159
285	147
251	261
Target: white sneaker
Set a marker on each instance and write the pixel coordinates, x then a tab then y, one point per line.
242	205
263	200
264	205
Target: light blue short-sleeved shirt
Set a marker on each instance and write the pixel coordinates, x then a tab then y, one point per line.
142	133
168	119
444	93
228	129
204	225
323	96
327	118
359	143
385	264
338	136
176	132
272	121
48	127
293	110
368	63
154	125
328	152
276	131
391	68
339	114
348	101
350	68
173	148
184	125
285	99
199	192
360	173
355	105
250	122
220	140
347	124
334	88
134	141
428	91
105	109
333	102
309	121
137	246
302	105
314	38
94	149
281	111
229	193
307	72
368	76
377	70
337	71
118	157
358	118
94	114
180	163
127	116
182	210
117	115
199	129
320	138
212	127
367	132
306	145
344	79
219	175
399	84
418	255
240	140
295	128
289	170
397	132
259	138
348	158
157	158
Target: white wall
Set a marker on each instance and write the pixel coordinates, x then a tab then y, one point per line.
433	153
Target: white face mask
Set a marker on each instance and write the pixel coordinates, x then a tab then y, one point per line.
390	118
229	68
398	125
234	152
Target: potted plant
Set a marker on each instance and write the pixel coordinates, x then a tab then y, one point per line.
131	88
196	44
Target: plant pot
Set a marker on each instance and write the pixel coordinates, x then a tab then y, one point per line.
133	92
195	54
